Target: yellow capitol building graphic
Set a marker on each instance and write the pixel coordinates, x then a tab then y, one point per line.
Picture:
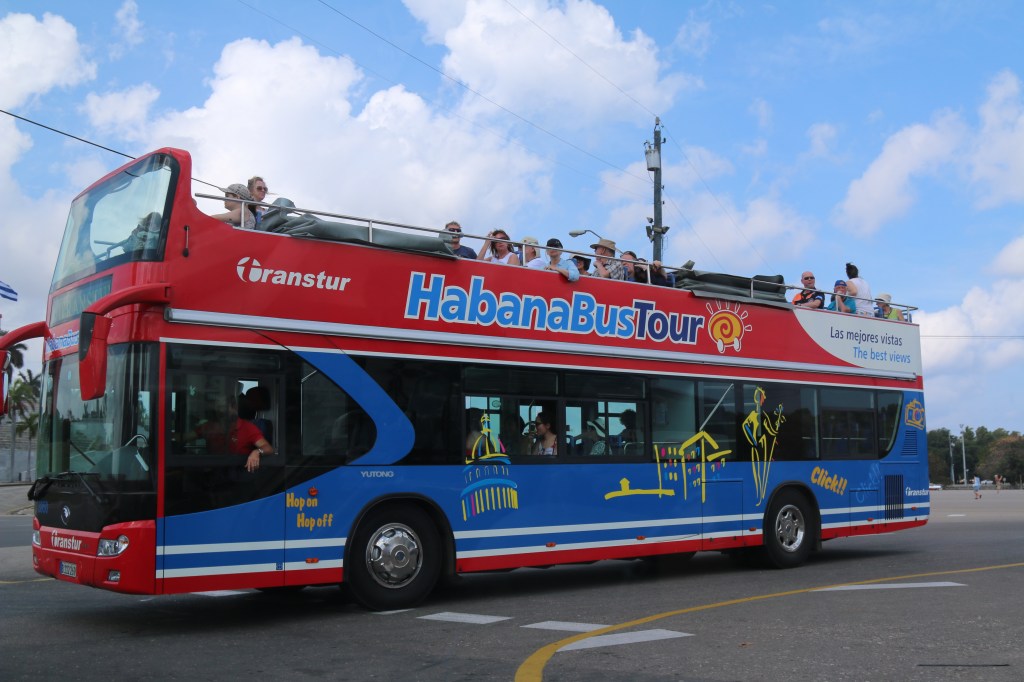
680	467
488	486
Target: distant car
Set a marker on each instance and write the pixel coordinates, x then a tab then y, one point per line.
934	486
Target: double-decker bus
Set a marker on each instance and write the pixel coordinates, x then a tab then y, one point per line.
405	392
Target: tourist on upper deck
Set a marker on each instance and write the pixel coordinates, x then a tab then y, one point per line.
858	287
554	262
531	254
604	266
841	301
885	309
233	216
659	276
495	251
460	250
629	261
258	189
582	264
809	296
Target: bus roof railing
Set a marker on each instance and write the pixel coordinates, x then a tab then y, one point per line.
762	288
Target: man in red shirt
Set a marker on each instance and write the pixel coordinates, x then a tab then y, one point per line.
242	437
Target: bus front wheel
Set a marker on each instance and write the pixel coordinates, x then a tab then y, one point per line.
788	530
395	559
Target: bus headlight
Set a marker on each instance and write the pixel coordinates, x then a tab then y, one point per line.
108	547
35	538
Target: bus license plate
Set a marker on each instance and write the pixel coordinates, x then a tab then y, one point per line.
69	569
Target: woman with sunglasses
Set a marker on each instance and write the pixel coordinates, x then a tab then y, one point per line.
547	436
496	251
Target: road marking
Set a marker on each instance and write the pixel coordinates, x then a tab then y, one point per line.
391	613
473	618
624	638
955	515
888	586
18	582
563	626
532	669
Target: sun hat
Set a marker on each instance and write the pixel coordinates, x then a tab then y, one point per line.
597	427
606	243
554	243
884	298
582	260
531	240
239	190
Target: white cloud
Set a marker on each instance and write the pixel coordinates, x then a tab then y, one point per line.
1010	260
125	111
38	56
997	160
499	53
694	36
762	111
394	159
885	190
128	26
821	135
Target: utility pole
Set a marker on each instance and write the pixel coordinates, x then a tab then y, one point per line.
952	474
656	231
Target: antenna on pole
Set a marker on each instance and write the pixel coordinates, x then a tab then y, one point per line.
656	231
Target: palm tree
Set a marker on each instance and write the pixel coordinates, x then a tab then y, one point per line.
24	396
17	353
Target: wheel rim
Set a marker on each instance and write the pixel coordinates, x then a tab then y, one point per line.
790	528
393	556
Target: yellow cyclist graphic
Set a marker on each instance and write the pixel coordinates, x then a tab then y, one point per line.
762	434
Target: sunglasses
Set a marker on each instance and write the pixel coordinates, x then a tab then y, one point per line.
259	189
808	278
456	231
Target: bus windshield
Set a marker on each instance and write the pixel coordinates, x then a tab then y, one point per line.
110	437
121	219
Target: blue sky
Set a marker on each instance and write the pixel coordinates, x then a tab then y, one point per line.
800	135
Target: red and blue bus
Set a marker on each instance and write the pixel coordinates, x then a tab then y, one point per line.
401	386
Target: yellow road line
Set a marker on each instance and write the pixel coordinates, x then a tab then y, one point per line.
18	582
532	669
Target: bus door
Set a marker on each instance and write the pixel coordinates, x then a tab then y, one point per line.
719	461
223	524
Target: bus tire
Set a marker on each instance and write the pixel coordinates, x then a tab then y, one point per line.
395	559
789	530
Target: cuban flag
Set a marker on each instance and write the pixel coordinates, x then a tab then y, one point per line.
6	291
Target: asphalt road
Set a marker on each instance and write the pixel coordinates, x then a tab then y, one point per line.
936	603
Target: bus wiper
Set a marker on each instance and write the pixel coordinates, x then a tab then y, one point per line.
39	488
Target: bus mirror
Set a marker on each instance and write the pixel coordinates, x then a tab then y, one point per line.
5	377
92	355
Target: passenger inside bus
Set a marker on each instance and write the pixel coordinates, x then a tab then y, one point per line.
233	216
224	432
547	435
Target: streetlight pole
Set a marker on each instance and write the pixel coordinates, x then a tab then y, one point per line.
963	452
952	474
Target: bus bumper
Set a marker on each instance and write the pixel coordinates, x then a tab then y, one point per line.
120	558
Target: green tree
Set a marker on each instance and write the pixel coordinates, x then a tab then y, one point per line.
17	352
1005	457
24	396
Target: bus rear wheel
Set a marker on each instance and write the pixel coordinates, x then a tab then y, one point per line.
789	530
395	559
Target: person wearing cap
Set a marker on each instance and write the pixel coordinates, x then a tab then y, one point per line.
842	302
885	309
554	262
809	296
233	216
455	241
604	265
258	189
531	254
858	287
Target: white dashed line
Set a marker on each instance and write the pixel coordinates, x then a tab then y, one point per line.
219	593
887	586
391	613
624	638
562	626
473	618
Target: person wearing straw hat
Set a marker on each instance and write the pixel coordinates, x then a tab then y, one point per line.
885	308
604	266
233	216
